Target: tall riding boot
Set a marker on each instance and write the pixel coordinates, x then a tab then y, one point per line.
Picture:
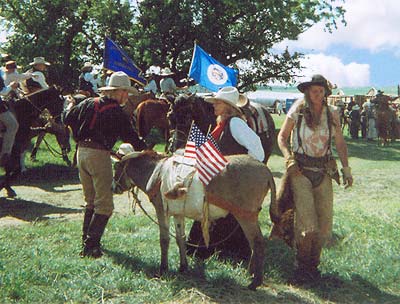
92	247
307	260
87	218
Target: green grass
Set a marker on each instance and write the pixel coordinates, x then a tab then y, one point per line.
39	262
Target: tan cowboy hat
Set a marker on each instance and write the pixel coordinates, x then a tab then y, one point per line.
11	65
87	66
120	81
229	95
318	80
166	72
39	60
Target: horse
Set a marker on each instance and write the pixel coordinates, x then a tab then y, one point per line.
193	108
27	111
385	119
152	113
155	174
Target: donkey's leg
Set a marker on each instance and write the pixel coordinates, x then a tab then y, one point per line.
181	241
253	234
163	222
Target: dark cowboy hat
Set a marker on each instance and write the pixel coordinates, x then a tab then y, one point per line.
318	80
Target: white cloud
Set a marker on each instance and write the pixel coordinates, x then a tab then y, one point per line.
371	25
344	75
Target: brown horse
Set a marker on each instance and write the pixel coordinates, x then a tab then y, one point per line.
152	173
385	120
152	113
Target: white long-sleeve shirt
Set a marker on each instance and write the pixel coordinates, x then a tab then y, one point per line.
39	77
15	76
246	137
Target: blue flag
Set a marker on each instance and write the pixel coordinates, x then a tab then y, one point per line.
115	59
209	73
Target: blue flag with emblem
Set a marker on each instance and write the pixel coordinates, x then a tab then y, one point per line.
115	59
209	73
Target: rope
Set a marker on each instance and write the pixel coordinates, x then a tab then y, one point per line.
52	150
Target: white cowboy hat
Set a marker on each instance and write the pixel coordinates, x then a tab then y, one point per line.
39	60
229	95
127	151
166	72
87	66
120	81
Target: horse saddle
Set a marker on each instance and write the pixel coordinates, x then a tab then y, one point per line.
255	117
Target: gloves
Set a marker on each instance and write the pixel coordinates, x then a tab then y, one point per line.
347	177
291	166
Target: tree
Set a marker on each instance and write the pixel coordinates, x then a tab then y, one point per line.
232	31
67	33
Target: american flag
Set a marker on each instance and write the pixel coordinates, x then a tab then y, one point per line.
209	159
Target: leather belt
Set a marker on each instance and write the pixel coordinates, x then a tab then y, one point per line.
88	143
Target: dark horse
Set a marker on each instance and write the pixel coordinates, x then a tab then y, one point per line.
226	236
193	108
29	111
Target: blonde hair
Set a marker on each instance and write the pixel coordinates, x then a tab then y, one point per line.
230	112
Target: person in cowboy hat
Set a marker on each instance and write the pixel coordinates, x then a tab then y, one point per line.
311	123
151	85
38	80
167	85
97	123
233	136
87	81
12	75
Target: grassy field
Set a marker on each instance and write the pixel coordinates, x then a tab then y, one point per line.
39	261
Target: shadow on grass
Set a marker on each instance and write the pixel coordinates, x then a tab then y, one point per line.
372	151
49	177
332	287
31	211
217	287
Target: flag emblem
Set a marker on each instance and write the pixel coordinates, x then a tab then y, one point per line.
210	73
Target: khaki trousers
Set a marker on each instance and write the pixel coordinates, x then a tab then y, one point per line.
11	124
313	217
95	174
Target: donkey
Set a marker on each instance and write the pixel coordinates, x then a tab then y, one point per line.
239	189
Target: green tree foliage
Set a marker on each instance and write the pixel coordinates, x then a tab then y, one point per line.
162	32
231	31
66	33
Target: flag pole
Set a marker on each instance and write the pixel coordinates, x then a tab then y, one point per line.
209	129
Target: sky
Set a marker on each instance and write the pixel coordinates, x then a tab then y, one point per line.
365	52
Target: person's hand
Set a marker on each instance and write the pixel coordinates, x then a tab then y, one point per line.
14	85
291	166
347	177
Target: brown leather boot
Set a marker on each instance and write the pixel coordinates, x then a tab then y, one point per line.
307	259
92	246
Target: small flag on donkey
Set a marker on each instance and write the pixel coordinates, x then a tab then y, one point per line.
204	149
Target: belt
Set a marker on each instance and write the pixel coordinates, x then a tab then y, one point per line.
88	143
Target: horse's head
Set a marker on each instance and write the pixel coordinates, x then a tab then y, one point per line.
186	110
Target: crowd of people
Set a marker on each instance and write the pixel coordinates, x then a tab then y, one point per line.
99	121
